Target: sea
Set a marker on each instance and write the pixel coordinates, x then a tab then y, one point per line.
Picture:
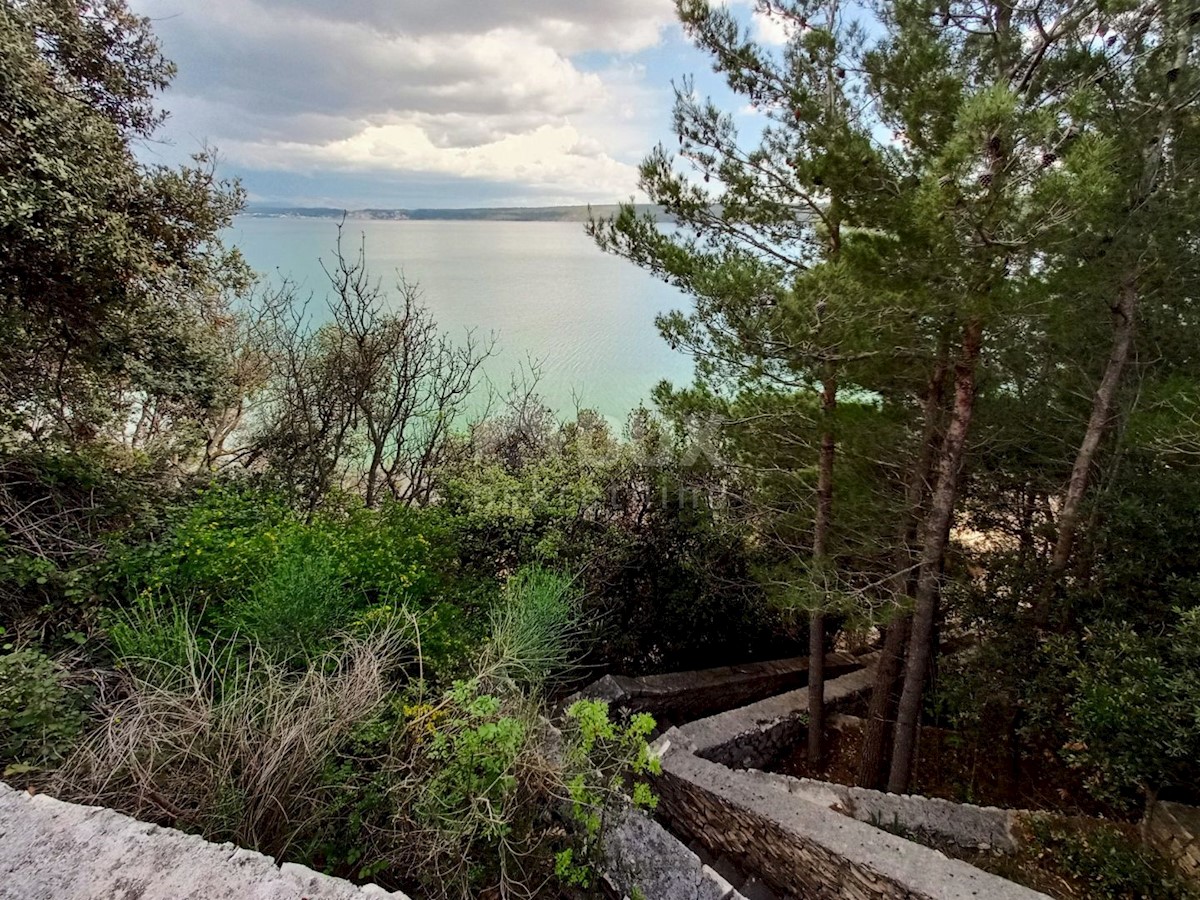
551	299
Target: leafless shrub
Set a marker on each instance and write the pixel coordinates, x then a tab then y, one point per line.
367	398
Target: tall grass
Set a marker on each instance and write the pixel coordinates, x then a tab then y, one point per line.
155	637
535	628
346	758
235	745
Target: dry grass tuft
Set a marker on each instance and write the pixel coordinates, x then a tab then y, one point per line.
236	748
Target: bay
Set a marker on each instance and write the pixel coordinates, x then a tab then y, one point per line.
543	288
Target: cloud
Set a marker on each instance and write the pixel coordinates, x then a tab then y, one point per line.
772	29
525	91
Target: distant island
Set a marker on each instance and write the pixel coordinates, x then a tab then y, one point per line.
477	214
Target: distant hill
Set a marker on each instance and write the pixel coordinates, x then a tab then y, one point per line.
479	214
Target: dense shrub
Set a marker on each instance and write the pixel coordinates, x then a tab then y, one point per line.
238	562
1135	711
58	514
676	593
358	765
41	716
666	585
1106	862
232	537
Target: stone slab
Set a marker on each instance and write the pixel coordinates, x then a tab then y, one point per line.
642	856
52	850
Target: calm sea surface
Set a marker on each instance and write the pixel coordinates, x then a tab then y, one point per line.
543	288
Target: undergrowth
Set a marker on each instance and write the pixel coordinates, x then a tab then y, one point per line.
340	753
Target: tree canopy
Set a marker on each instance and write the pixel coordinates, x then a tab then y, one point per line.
113	278
963	211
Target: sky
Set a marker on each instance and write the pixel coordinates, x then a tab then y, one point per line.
426	103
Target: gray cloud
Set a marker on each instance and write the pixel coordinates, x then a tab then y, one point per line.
484	90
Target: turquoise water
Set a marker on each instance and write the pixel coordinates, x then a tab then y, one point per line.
543	288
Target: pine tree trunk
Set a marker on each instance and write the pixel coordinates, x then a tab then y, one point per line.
1124	317
936	537
871	767
879	714
820	553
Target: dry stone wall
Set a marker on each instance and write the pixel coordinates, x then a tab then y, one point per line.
681	697
811	839
753	736
802	849
1174	830
964	824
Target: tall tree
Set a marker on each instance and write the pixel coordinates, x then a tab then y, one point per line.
113	278
1142	62
944	161
765	246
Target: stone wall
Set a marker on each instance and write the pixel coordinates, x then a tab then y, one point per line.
1174	830
642	857
752	737
802	849
51	850
964	824
681	697
812	839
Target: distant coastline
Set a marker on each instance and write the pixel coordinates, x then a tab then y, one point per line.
476	214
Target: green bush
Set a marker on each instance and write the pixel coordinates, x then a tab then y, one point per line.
238	561
61	511
231	538
473	750
1106	861
648	547
41	717
1135	711
607	760
294	611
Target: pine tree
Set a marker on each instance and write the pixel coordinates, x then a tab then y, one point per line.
897	212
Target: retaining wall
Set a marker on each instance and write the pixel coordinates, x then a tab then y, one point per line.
813	839
964	824
681	697
1174	830
755	735
802	849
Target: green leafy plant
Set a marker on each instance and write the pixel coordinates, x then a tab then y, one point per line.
474	748
1136	710
1107	861
610	765
41	716
237	561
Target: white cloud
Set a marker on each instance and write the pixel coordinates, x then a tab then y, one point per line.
772	29
489	91
548	157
